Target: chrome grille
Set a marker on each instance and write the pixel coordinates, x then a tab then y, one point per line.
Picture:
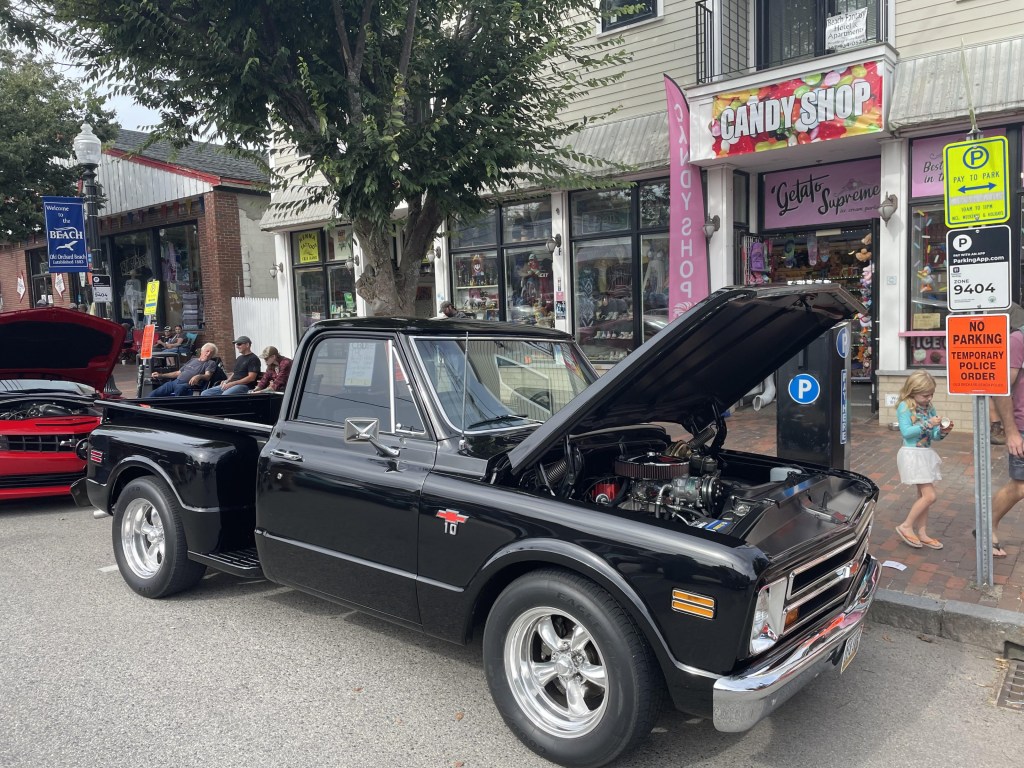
42	443
817	587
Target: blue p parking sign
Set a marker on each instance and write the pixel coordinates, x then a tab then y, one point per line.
804	389
65	234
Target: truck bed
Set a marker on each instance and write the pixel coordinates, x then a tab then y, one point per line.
247	414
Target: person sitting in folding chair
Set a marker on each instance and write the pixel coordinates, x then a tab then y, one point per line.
171	342
244	375
192	375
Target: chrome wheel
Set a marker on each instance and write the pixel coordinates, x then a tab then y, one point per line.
556	672
142	538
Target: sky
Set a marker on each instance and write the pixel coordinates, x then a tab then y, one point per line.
130	115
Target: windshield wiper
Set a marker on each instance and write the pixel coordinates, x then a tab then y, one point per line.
500	419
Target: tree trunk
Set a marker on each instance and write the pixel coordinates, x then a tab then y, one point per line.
389	287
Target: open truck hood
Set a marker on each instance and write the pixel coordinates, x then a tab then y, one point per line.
701	363
59	344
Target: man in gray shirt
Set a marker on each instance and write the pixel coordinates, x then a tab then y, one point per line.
190	375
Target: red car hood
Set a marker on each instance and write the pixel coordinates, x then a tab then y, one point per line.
61	344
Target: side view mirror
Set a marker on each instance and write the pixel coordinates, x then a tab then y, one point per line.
366	431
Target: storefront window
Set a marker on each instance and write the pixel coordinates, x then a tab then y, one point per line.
654	256
179	266
620	283
309	297
841	255
133	259
606	210
476	284
474	232
928	307
39	280
604	298
501	267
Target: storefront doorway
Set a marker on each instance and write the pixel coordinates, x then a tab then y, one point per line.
843	255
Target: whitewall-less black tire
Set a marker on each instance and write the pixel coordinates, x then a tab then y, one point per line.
149	540
568	669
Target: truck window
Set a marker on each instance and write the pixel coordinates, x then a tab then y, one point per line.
347	378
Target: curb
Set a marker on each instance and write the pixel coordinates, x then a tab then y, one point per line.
992	628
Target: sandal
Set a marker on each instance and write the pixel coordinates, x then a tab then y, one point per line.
932	543
908	538
996	546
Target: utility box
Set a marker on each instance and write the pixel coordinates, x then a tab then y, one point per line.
813	412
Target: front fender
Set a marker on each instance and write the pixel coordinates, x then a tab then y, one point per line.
452	613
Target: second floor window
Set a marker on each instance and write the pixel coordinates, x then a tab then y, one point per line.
620	13
790	30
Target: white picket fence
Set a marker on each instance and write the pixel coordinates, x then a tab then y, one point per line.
258	319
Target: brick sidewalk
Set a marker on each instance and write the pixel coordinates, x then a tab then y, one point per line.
946	574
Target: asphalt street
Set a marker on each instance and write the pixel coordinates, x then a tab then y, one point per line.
239	673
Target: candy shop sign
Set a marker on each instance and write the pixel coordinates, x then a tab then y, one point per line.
816	107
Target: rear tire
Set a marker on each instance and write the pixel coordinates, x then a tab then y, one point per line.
149	540
570	672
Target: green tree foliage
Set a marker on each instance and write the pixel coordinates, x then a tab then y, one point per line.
41	112
430	103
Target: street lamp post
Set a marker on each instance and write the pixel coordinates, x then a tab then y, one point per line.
89	152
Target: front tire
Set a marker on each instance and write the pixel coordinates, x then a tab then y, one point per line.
569	671
149	540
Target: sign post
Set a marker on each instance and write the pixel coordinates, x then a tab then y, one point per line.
146	352
978	363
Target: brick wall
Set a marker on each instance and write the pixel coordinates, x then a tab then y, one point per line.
220	253
14	262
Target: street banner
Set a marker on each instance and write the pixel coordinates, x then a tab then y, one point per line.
689	278
65	234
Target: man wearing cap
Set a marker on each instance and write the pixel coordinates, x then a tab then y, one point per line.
276	376
243	377
449	310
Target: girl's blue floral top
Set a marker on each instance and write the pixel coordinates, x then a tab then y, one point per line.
912	419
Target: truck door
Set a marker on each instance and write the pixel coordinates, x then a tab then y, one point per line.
335	518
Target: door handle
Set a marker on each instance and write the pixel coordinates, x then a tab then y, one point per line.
286	455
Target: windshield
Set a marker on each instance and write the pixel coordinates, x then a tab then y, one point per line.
510	382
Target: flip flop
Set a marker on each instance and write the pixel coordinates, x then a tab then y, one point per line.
932	543
908	538
996	546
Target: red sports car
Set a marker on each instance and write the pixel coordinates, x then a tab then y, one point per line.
54	364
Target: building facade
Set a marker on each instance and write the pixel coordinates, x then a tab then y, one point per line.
187	217
818	127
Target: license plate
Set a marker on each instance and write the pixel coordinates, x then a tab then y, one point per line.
850	649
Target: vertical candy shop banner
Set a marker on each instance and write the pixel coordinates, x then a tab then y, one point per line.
689	275
820	106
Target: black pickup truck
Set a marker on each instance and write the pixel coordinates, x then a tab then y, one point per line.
456	476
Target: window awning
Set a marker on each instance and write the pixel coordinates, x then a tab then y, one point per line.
639	142
930	89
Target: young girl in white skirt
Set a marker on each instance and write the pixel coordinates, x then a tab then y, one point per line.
917	462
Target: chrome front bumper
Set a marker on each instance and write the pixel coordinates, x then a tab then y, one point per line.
742	700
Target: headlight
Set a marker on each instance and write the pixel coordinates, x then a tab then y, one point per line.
769	619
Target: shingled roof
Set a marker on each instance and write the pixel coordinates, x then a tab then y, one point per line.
200	156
